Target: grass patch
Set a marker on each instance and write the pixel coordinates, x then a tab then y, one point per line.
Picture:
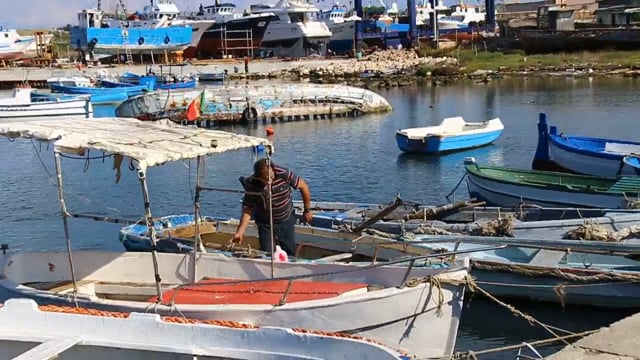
516	60
485	60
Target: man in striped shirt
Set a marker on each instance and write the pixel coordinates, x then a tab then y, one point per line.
256	203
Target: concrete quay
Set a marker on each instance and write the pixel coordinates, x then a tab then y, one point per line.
9	77
619	341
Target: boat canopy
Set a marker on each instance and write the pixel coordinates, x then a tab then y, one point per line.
148	143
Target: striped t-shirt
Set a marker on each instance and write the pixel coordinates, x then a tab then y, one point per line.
284	180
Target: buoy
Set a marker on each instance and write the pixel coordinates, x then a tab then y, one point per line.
270	131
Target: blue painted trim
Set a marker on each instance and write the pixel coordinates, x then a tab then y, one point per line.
566	143
542	150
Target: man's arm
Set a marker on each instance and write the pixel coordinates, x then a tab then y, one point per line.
244	222
306	199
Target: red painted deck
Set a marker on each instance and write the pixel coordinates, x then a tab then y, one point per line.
207	292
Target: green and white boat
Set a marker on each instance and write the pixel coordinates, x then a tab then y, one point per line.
506	187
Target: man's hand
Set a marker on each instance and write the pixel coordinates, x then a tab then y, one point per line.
308	216
237	237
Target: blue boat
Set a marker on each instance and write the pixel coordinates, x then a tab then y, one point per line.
163	81
148	32
453	134
99	95
580	154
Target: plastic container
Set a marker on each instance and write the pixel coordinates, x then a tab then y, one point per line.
280	255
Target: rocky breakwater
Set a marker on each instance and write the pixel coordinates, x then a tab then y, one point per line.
381	69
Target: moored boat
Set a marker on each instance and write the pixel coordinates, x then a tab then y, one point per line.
581	154
26	103
453	134
319	296
77	333
507	187
116	93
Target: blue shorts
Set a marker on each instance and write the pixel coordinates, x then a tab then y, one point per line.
283	234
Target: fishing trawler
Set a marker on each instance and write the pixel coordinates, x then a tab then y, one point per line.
295	33
342	28
150	31
229	31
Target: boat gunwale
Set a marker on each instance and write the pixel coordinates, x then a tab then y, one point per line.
564	142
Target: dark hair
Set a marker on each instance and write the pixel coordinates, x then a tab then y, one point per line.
261	166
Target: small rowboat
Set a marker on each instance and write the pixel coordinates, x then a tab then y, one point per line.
453	134
505	187
580	154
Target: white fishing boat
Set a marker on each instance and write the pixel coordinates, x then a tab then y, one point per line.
25	103
296	33
64	332
322	296
14	46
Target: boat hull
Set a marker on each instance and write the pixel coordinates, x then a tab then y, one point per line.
443	144
581	155
506	194
138	41
234	37
76	333
81	108
498	281
422	325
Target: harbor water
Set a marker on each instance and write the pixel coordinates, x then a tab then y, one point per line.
342	160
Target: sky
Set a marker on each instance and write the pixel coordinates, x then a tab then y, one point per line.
28	14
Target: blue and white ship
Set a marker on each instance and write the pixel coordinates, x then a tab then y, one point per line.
151	31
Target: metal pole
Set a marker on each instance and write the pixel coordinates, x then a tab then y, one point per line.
65	215
273	240
152	233
196	214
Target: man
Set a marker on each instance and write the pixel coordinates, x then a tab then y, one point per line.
256	202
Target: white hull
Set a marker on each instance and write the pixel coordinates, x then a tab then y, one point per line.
410	319
342	31
585	164
312	32
77	335
504	194
63	108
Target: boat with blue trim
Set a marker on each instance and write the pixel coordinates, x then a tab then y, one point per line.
453	134
146	32
80	85
26	102
580	154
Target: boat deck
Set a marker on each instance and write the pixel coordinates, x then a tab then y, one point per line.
209	292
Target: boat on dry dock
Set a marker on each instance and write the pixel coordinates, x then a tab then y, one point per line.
252	103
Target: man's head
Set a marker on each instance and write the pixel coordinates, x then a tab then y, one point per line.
261	169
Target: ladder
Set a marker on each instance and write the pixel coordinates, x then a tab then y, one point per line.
125	46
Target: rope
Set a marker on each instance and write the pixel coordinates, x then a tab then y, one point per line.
473	354
555	272
434	281
473	287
